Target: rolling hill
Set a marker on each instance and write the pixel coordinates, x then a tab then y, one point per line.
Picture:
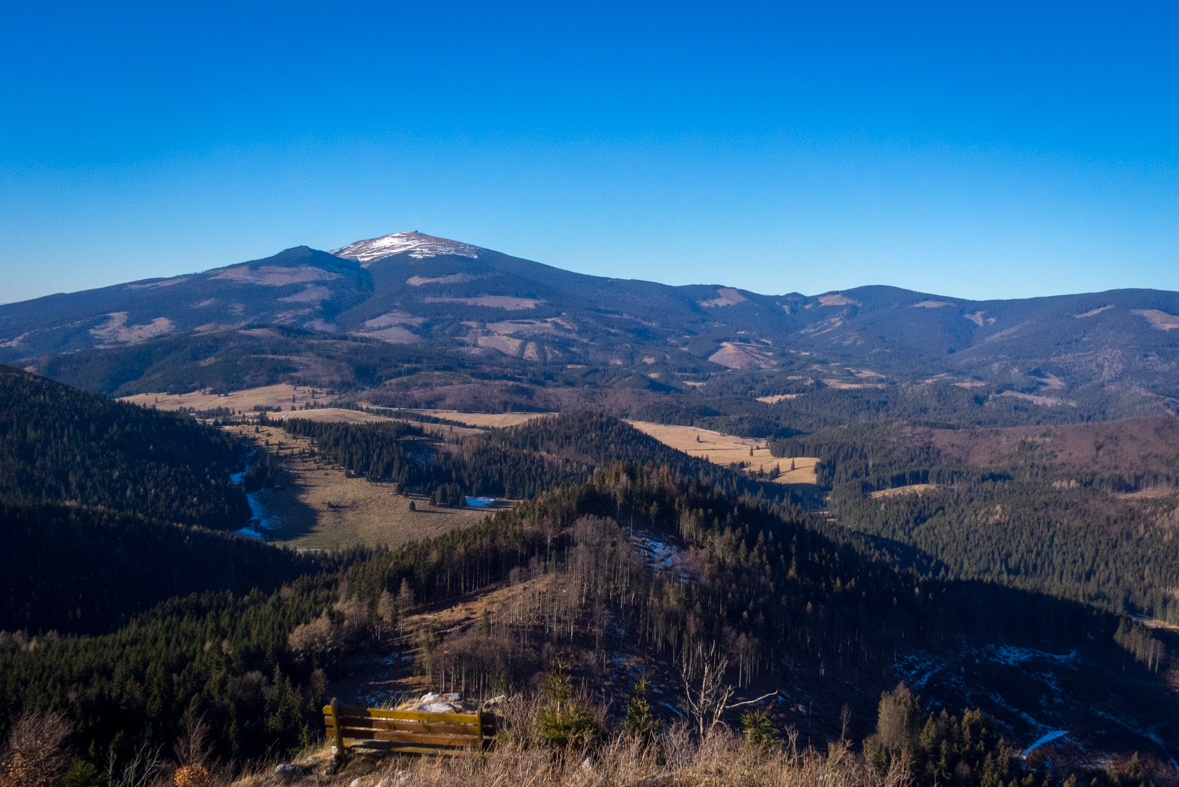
437	295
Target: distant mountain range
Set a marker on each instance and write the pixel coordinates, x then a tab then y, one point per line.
429	292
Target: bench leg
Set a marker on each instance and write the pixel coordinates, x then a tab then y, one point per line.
338	743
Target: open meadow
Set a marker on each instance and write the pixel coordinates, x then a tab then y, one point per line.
282	396
316	506
485	420
722	449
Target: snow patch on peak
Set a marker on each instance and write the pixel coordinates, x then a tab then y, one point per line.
417	245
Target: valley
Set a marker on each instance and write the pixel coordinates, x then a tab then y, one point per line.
312	505
885	519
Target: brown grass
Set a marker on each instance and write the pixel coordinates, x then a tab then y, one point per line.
320	508
1092	312
724	449
726	296
1047	401
840	385
246	400
720	760
777	398
897	491
339	415
741	356
506	302
1149	493
837	299
1158	319
116	329
485	420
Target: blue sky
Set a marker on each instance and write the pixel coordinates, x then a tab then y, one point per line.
974	150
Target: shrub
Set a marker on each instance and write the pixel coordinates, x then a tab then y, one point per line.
36	754
757	731
566	722
640	724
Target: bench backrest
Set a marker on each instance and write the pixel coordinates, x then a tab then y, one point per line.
407	731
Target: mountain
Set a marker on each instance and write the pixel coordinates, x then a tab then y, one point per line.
297	286
433	293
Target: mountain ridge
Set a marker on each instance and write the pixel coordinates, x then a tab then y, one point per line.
422	290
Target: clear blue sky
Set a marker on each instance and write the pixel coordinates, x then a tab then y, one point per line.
974	150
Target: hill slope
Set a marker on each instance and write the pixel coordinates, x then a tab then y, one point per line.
412	289
59	444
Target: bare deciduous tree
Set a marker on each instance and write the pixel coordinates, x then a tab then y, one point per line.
141	770
705	690
316	637
36	754
194	755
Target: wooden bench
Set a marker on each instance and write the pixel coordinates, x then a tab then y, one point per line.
412	732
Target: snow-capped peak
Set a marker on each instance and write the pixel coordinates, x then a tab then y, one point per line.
418	245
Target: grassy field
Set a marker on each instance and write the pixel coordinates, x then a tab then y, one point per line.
283	396
777	398
485	420
318	507
725	449
339	415
715	447
897	491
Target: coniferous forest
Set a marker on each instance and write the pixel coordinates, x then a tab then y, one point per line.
131	615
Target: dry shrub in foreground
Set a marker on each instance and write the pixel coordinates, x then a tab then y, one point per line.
36	754
194	756
720	760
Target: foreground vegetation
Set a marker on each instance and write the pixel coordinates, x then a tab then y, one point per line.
624	547
908	747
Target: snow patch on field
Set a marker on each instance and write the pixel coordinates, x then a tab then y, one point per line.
969	678
454	278
1008	654
1047	738
662	556
262	522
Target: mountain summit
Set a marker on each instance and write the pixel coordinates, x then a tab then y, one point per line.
415	244
442	295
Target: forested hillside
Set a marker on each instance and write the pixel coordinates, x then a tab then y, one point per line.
516	462
89	570
59	444
620	548
1022	519
776	596
108	509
